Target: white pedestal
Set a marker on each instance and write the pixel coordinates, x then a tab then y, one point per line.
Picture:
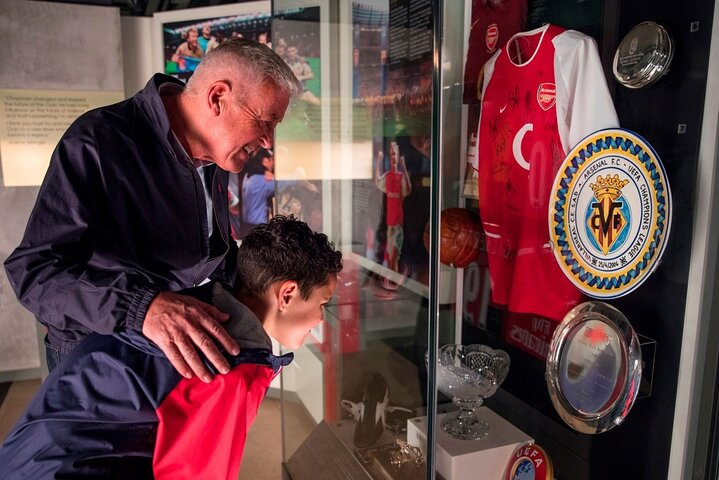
483	459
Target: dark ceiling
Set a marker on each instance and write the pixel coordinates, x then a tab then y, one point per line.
148	7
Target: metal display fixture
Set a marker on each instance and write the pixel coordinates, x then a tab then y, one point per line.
594	368
643	55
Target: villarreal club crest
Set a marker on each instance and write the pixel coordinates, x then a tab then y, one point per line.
610	214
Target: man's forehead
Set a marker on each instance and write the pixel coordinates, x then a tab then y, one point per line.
270	104
264	98
269	111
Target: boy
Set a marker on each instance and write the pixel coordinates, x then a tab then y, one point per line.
116	408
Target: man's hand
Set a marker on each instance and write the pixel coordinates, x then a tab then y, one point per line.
180	324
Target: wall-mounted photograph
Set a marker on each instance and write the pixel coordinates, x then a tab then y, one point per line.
185	36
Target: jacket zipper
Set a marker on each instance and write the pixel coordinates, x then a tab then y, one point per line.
193	172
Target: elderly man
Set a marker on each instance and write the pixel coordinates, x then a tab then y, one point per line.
133	209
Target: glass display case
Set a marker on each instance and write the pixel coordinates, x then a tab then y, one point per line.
429	143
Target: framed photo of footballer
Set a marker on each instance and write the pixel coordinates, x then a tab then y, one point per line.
183	37
401	145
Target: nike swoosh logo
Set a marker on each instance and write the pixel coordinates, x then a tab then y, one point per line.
502	109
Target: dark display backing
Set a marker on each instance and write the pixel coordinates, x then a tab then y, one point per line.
668	115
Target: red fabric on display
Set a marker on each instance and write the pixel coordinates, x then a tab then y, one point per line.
493	23
203	427
520	151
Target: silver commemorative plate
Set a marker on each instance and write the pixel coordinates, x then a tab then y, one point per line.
594	367
643	55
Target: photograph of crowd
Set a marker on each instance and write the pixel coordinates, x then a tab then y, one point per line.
186	42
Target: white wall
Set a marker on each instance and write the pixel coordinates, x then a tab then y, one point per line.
137	48
47	46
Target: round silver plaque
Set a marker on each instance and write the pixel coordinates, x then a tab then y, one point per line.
643	55
594	367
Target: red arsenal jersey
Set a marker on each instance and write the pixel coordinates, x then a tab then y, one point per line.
542	93
493	22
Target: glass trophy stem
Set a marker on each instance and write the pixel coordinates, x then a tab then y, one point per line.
465	425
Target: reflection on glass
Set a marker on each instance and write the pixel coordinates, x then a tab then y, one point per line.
356	166
591	367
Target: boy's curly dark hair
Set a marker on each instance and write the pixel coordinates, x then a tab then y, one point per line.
285	249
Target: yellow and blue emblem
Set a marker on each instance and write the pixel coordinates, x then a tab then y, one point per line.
610	214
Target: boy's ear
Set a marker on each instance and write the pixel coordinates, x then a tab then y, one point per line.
288	291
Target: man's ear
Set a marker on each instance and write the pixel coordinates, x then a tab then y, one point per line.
219	95
288	291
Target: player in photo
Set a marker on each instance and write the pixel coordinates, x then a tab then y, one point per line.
395	184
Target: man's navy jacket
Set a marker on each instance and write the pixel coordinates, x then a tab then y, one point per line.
120	217
116	408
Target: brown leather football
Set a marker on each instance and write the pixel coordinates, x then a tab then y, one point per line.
460	234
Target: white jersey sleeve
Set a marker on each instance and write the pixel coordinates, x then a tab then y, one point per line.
586	105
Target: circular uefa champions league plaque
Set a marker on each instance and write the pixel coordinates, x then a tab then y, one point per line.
594	367
610	213
643	55
529	462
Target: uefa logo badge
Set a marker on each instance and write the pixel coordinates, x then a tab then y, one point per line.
610	214
529	462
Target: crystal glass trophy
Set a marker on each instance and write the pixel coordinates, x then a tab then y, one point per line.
469	374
